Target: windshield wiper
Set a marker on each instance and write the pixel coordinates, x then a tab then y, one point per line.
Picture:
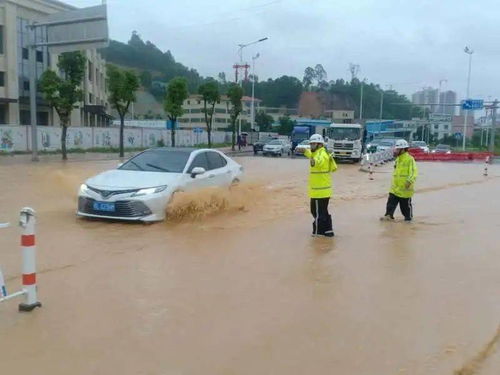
157	167
137	165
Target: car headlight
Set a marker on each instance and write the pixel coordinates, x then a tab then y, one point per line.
84	189
149	191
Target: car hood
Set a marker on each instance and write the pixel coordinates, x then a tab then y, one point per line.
121	179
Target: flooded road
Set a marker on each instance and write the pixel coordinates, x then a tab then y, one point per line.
233	283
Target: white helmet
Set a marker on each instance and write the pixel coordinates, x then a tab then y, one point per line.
401	143
317	138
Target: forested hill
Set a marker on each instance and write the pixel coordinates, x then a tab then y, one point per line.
156	68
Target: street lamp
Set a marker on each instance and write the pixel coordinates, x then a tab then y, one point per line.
468	51
240	52
252	113
361	100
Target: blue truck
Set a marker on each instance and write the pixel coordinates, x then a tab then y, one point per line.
307	127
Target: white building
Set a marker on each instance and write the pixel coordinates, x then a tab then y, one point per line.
15	15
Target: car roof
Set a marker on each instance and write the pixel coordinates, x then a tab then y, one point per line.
187	150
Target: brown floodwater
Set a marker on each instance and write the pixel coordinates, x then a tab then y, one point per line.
232	282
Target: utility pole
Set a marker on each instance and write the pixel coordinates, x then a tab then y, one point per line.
381	104
493	125
361	101
468	51
33	91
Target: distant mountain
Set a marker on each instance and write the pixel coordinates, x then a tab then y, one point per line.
145	56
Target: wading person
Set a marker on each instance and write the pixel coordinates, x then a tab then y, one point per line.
322	165
403	183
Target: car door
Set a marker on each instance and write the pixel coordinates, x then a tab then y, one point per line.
202	180
219	169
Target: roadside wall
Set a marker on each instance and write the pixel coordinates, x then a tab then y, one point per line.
18	138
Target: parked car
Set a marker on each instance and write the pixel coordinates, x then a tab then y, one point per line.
277	147
386	144
372	145
141	188
421	145
302	147
442	149
259	145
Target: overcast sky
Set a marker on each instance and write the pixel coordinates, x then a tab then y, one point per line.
403	43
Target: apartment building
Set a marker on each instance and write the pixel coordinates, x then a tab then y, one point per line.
194	116
15	16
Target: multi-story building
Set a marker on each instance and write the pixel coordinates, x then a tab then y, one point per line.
15	16
441	125
447	101
427	97
194	116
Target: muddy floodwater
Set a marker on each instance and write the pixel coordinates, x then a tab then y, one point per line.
232	283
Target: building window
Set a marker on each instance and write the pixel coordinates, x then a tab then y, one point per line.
97	76
26	54
199	101
436	127
91	98
2	79
26	85
91	71
39	56
446	127
189	102
1	39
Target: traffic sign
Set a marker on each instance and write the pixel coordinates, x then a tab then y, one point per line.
472	104
458	135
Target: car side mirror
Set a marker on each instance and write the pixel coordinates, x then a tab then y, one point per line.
119	165
197	171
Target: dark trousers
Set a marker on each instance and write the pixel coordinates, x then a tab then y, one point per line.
322	219
404	204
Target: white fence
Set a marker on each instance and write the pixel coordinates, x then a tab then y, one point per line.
376	159
18	138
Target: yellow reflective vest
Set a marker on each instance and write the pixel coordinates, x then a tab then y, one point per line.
405	171
320	179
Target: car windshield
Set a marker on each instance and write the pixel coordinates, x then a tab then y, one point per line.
442	147
387	143
304	143
419	144
374	142
171	161
351	134
275	142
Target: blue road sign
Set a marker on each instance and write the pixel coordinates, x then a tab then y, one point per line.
198	130
458	135
171	125
472	104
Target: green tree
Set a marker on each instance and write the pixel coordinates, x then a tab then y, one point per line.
122	86
309	77
62	93
264	121
235	94
286	125
146	79
210	93
177	92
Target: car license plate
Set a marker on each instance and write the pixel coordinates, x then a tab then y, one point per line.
104	206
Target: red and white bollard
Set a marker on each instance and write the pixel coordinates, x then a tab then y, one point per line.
486	162
27	222
370	167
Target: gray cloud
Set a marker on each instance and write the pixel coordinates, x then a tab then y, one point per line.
408	44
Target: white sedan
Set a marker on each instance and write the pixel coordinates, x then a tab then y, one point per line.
141	188
277	147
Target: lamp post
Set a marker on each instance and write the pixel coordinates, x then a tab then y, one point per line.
468	51
240	52
252	111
